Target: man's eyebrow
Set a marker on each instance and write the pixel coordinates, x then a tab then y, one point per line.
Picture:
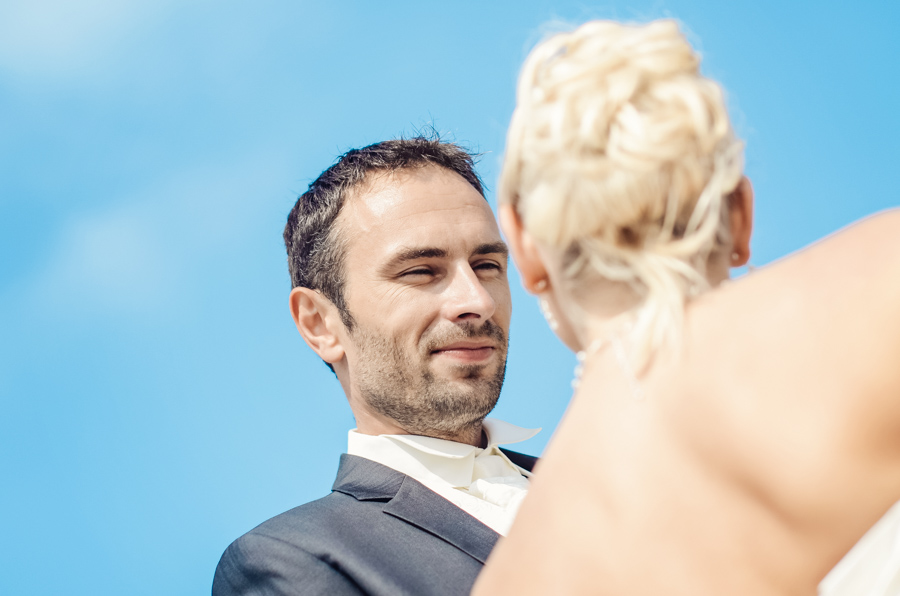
412	254
491	248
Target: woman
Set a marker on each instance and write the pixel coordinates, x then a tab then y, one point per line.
724	438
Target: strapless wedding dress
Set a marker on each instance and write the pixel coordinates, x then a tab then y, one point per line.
872	567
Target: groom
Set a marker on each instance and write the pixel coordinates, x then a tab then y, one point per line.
399	285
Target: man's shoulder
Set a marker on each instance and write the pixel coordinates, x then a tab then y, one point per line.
300	521
360	491
295	523
285	554
295	550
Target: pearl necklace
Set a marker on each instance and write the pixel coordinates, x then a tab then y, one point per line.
637	392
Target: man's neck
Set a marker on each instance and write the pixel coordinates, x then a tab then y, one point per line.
473	435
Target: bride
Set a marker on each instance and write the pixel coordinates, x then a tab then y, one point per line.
725	437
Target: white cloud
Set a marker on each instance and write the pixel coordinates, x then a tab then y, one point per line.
112	261
142	255
67	38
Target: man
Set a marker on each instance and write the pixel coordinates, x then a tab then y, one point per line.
400	285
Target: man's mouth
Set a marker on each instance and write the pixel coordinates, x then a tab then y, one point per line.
470	352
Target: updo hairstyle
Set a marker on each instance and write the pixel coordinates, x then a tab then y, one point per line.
621	155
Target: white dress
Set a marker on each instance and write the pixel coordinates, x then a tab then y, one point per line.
872	567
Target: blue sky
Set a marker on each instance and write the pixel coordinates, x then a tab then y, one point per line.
155	399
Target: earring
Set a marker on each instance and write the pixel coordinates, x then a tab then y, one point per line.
735	257
540	286
548	314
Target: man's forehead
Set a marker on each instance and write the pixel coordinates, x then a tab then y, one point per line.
374	196
403	200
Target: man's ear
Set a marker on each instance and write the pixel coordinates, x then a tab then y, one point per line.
740	204
524	251
318	322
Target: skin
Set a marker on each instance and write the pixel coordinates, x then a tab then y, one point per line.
761	452
426	283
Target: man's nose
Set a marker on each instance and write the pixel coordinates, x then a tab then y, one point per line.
467	299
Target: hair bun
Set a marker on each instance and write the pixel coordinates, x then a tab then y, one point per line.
620	149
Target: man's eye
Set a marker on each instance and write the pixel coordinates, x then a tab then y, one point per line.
415	272
488	266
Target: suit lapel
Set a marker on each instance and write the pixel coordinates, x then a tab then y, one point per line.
425	509
415	504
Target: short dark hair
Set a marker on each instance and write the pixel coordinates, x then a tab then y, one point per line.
315	250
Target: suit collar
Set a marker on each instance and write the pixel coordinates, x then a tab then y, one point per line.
366	480
415	504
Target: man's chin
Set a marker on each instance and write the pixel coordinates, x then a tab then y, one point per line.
464	373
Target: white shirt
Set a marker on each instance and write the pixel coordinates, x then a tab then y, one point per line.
872	567
481	482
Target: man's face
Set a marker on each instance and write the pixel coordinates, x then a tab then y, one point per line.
427	289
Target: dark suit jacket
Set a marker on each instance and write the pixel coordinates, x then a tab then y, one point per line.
379	532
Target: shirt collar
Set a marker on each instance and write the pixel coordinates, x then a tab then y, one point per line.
425	458
503	433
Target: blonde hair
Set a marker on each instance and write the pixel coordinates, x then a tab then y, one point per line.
621	154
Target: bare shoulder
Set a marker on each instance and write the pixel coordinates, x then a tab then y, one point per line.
866	249
813	340
880	226
845	286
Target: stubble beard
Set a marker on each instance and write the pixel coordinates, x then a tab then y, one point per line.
405	390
